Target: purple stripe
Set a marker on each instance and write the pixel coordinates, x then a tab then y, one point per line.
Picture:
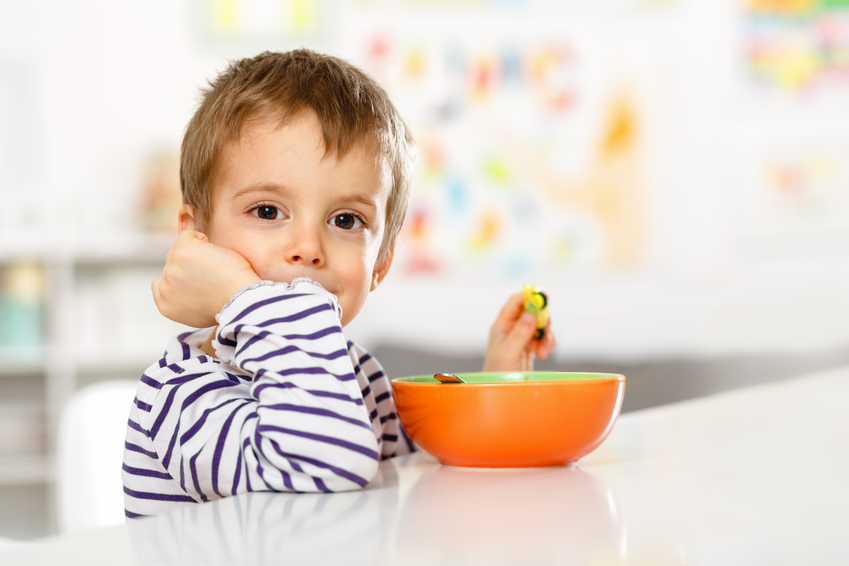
186	378
266	302
389	417
136	426
175	368
136	448
365	391
163	412
372	415
202	420
333	441
319	464
245	446
147	380
166	461
297	316
289	349
219	446
314	371
239	378
376	376
146	473
390	438
287	478
407	440
131	515
266	333
259	469
194	470
237	476
365	358
142	405
158	496
201	391
316	411
321	486
314	392
315	335
162	362
382	397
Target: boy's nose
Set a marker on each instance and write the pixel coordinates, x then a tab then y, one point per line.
305	248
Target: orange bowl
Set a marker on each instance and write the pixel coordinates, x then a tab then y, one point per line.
509	420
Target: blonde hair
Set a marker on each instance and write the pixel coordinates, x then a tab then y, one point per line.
350	106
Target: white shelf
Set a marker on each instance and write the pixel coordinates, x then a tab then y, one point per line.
22	361
25	470
92	292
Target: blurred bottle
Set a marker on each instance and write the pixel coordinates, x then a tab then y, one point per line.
22	306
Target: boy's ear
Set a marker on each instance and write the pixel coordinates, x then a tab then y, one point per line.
382	268
187	218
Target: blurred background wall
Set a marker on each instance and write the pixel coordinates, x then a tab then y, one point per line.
673	173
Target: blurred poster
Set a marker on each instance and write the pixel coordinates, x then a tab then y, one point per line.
252	20
793	190
791	179
797	47
533	147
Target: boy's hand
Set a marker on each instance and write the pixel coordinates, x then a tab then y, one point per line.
511	340
198	280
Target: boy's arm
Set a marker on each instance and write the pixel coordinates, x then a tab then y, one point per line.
512	346
300	424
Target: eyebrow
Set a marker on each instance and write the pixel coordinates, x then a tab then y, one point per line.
360	198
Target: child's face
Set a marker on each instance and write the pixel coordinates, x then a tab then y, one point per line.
293	212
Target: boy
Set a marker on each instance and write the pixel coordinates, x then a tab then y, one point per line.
295	173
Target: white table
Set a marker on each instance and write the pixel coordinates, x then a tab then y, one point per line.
755	476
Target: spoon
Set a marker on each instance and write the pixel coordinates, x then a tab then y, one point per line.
447	378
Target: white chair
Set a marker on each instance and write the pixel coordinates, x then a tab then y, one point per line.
89	454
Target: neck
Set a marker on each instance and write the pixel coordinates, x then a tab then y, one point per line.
207	346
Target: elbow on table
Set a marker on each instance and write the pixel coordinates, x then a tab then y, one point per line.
352	475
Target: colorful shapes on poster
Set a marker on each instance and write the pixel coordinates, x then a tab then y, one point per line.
620	132
416	234
457	195
796	46
414	64
497	171
486	232
482	77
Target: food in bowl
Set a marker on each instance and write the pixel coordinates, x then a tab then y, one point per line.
509	420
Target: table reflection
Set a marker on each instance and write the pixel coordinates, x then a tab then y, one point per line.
537	516
437	515
274	528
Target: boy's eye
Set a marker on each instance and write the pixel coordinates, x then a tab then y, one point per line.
347	221
266	212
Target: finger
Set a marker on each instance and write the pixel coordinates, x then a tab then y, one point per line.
545	347
510	312
154	288
520	335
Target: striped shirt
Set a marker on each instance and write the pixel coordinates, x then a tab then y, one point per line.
288	405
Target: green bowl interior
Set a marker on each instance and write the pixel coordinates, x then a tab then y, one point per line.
513	377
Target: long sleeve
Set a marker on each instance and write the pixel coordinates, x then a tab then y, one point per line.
288	406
